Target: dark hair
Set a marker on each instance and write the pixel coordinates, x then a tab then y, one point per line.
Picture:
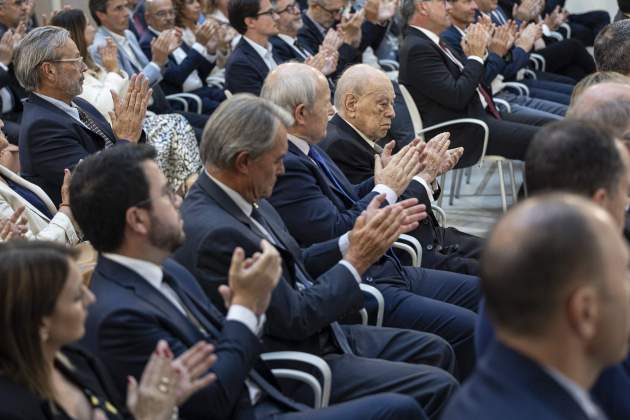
624	6
534	254
32	276
179	6
612	48
573	156
74	21
238	10
98	6
103	187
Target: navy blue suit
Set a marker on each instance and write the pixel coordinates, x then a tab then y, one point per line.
51	141
508	385
315	210
313	293
245	70
130	316
176	74
284	51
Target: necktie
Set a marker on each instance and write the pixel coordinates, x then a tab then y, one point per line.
321	163
487	98
301	50
304	282
91	125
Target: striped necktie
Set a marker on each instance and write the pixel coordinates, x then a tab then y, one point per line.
91	125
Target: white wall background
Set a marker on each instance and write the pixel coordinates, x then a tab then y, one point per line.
577	6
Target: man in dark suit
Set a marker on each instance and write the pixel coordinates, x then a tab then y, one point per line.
624	10
188	67
254	56
125	207
243	147
574	157
351	142
318	203
446	87
562	312
58	129
11	93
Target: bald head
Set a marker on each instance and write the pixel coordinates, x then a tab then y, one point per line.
159	14
531	261
358	80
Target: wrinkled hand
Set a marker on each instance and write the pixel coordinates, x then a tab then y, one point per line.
401	169
452	157
252	280
109	56
161	47
350	28
15	227
527	37
474	41
129	112
501	41
332	41
413	214
374	231
6	48
435	152
388	150
192	366
204	32
155	397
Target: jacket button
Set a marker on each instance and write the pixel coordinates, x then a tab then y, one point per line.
429	247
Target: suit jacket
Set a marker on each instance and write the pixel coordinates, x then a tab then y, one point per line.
442	91
125	62
245	70
176	74
284	51
296	320
518	58
131	316
509	385
19	403
51	140
40	226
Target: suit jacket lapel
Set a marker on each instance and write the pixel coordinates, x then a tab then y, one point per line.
255	58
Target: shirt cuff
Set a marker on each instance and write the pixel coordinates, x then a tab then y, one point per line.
344	243
204	52
7	100
390	195
246	316
352	270
157	67
5	68
476	58
426	186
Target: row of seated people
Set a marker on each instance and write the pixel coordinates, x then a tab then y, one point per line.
144	296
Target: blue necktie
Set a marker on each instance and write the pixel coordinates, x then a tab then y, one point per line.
319	160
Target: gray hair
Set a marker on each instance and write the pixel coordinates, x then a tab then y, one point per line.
243	123
38	46
355	79
611	116
407	10
290	85
612	48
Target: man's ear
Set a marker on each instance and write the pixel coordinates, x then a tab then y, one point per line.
600	196
583	311
241	162
249	22
137	219
350	102
298	114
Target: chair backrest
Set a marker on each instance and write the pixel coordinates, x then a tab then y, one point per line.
227	93
416	119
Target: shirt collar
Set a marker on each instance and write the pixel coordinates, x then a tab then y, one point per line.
363	136
262	51
580	396
121	39
155	31
299	143
238	199
288	39
458	29
152	273
60	104
431	35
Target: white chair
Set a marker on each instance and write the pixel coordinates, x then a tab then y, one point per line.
539	61
181	98
320	388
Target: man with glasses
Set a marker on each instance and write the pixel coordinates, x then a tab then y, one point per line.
59	129
254	56
187	67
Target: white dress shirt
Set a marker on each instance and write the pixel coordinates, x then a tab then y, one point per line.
264	53
131	55
247	208
6	95
68	109
581	396
291	41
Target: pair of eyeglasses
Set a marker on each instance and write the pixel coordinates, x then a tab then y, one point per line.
162	14
332	12
78	60
269	12
292	8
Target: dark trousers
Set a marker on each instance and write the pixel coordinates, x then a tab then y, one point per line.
545	106
586	26
374	407
438	302
507	138
568	58
211	97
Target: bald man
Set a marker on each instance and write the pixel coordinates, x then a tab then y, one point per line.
561	311
364	101
318	203
188	66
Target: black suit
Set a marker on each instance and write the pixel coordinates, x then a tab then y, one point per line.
51	141
245	70
443	249
304	318
284	51
443	92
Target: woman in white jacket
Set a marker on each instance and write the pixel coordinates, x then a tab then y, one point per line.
171	134
43	220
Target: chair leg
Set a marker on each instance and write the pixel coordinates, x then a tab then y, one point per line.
468	174
442	183
453	185
460	178
502	186
511	166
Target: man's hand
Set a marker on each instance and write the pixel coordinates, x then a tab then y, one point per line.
161	47
64	207
204	32
400	170
413	214
252	280
109	56
15	227
373	233
332	41
452	157
435	153
192	370
388	150
129	112
350	28
527	37
501	41
475	40
6	47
